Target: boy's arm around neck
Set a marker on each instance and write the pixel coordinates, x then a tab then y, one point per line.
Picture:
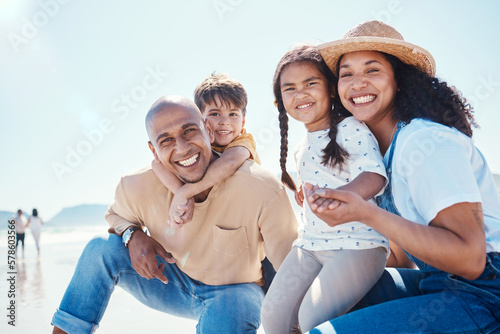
167	178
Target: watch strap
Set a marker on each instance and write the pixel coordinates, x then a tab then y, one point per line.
127	235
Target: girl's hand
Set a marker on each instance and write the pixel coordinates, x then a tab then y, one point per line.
320	203
299	196
336	206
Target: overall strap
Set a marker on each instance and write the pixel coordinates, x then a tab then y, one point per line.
399	126
386	200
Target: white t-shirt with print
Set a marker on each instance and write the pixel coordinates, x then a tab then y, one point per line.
364	156
435	167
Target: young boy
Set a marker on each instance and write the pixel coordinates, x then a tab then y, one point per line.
222	101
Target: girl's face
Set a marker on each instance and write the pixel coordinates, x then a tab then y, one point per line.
367	87
306	95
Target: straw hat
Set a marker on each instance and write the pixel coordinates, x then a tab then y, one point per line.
377	36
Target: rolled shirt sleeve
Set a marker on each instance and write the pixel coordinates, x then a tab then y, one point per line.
122	212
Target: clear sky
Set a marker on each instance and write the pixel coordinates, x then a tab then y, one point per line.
77	77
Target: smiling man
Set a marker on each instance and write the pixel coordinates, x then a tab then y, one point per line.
209	270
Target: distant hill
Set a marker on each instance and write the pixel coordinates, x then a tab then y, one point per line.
81	215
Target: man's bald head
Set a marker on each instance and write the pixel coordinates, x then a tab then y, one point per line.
179	138
167	103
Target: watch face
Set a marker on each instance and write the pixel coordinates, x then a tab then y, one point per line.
126	236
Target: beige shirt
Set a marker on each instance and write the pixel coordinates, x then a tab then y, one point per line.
244	218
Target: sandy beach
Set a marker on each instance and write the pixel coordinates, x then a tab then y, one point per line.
42	280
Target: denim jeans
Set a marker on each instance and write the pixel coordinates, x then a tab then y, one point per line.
105	263
425	301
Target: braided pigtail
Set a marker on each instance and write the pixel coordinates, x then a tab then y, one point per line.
333	153
286	179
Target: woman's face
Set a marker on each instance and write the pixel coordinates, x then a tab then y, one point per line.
367	87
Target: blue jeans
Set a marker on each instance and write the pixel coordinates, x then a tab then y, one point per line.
426	301
106	263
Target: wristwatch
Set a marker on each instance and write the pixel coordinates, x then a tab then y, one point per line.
127	235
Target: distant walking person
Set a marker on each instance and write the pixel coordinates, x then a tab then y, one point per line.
20	228
35	223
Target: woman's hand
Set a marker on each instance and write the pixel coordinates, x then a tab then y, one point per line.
299	196
336	206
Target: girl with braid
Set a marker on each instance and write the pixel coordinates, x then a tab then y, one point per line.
328	269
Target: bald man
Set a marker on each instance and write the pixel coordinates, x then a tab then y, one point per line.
209	269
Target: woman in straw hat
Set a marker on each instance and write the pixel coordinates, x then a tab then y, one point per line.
442	210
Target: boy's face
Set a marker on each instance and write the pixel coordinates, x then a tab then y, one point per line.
226	120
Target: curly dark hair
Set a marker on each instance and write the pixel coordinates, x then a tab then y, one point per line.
333	153
422	96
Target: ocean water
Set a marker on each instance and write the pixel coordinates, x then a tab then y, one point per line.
42	280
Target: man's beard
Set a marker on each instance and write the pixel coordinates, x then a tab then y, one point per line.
193	181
